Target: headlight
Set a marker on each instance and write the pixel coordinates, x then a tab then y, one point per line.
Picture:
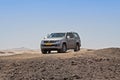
42	42
58	41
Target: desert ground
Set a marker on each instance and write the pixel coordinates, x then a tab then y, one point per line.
87	64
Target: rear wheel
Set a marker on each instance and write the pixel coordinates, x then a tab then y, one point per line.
64	49
77	47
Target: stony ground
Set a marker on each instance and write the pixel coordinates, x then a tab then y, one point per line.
103	64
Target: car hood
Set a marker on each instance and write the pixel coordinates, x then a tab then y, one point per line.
52	39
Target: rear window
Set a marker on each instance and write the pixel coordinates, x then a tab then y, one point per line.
76	35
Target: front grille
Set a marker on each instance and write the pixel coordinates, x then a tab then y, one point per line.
49	41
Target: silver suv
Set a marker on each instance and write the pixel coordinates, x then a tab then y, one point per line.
61	42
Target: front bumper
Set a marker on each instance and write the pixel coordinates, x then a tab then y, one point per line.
51	47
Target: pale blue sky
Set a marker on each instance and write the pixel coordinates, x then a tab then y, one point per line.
23	23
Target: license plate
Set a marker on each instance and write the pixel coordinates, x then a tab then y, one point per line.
48	44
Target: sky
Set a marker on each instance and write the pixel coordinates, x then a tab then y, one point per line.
23	23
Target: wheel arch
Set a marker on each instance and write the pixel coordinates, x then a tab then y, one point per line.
65	44
77	43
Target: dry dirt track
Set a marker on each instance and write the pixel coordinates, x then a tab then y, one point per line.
103	64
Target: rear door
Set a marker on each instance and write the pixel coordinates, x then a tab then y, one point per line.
70	40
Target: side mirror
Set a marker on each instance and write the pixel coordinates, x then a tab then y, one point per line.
68	37
45	37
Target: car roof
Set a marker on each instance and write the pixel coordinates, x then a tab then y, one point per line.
63	32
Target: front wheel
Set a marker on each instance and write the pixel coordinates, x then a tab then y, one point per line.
64	49
44	51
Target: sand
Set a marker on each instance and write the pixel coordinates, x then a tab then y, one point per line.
87	64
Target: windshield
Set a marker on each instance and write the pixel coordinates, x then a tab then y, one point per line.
56	35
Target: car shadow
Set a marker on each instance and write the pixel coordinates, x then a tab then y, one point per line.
55	52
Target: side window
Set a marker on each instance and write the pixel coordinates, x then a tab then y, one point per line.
71	35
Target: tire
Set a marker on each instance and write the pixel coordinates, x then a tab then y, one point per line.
44	51
77	48
64	49
49	51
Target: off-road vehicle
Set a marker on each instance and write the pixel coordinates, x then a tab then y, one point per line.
61	42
